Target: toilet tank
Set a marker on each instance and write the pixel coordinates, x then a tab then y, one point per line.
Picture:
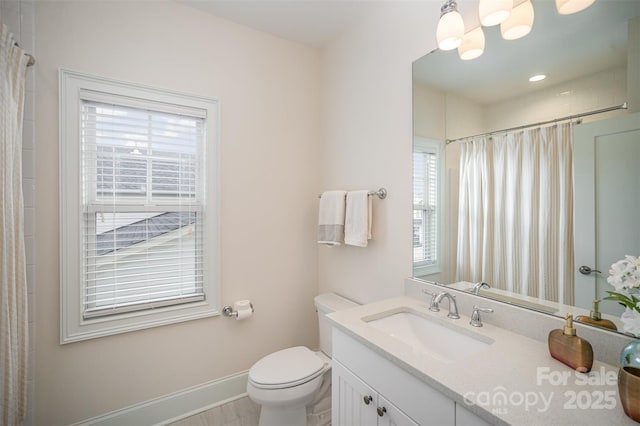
325	304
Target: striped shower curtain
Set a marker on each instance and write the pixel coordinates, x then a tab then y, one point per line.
515	217
13	293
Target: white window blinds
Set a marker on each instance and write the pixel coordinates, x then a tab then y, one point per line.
425	207
143	204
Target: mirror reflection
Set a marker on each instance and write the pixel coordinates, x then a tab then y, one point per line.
531	187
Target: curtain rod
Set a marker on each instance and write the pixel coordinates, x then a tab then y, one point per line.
542	123
32	60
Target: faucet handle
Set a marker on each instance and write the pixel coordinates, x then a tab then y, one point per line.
476	321
433	306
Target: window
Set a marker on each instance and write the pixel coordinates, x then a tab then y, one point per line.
138	207
426	206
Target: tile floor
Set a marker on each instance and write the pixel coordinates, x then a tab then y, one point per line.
241	412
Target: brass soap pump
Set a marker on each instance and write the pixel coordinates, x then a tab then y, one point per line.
595	318
570	349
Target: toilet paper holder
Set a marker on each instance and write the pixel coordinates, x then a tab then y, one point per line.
228	311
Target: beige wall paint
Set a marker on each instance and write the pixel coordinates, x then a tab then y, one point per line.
270	127
367	125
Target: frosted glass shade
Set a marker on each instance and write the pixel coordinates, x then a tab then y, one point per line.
450	30
472	44
566	7
519	23
493	12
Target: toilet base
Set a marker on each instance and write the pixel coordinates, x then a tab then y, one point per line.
319	412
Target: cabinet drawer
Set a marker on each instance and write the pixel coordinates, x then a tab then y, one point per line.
423	404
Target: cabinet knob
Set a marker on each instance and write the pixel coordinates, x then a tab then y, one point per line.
367	399
381	411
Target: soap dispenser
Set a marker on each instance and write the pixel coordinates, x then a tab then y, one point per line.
595	318
570	349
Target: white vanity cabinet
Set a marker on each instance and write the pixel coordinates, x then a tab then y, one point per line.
356	403
359	372
370	390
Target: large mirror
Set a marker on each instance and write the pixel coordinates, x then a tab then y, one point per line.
500	163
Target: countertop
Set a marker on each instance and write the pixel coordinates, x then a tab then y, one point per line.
512	381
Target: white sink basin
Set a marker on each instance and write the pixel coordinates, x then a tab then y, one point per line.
443	341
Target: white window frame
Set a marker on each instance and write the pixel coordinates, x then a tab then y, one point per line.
421	144
73	327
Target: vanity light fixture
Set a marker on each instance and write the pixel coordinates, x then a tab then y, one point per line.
515	22
450	26
567	7
519	23
493	12
472	44
537	77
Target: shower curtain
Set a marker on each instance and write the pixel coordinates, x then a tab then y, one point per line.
515	218
13	294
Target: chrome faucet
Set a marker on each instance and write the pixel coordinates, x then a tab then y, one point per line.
476	321
453	307
478	286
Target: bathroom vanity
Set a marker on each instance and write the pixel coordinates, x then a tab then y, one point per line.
369	389
387	370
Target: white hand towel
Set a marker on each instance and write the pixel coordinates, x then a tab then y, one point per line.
331	218
358	218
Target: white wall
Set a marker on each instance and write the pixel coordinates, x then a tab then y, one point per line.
367	141
270	121
18	15
600	90
429	112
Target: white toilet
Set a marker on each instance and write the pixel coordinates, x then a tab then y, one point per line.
287	383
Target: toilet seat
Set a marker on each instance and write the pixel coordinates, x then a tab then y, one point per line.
286	368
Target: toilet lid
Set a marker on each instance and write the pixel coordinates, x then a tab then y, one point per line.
286	367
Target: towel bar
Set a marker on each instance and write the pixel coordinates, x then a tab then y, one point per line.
380	193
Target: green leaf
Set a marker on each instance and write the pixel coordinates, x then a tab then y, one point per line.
622	299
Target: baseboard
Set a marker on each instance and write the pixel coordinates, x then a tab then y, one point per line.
177	405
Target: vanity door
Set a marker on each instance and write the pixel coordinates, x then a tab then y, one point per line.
390	415
353	402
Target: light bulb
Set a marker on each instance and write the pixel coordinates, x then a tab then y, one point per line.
472	44
520	22
567	7
493	12
450	27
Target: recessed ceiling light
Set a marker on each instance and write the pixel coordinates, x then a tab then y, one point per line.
537	77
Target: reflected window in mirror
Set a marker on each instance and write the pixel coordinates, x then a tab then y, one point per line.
427	158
